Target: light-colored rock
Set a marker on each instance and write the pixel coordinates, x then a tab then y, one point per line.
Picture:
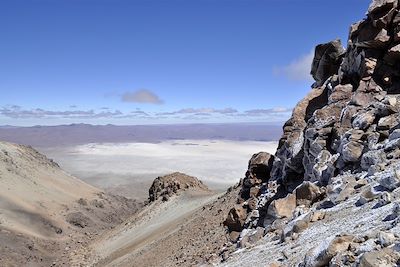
364	120
322	255
165	186
250	237
307	193
352	151
384	199
234	236
367	195
283	207
382	258
292	230
341	93
371	158
386	239
256	236
388	122
347	190
317	216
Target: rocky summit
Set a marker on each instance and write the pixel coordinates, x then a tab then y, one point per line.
338	161
164	187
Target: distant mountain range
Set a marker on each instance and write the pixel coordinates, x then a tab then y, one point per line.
7	127
75	134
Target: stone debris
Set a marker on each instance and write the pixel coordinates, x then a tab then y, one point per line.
340	147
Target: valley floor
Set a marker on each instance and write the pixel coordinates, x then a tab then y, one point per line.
128	169
184	230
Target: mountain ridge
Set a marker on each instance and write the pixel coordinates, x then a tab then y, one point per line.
76	134
45	213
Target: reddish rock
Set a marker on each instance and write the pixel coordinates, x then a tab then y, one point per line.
236	218
166	186
282	207
307	193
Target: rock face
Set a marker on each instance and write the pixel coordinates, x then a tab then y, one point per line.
326	61
166	186
342	143
258	173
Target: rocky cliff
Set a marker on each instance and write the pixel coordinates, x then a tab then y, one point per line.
339	150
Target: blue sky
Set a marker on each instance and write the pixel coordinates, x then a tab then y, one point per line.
161	61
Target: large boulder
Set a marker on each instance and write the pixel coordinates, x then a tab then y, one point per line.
260	166
327	60
308	193
352	151
283	207
236	218
321	255
258	172
384	257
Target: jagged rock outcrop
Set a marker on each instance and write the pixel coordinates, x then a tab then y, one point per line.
342	142
258	173
166	186
327	60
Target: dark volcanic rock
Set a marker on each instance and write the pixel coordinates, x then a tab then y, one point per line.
236	218
258	172
327	60
342	142
260	165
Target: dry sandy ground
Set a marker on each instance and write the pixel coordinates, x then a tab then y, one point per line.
130	168
50	218
45	213
34	190
186	231
157	220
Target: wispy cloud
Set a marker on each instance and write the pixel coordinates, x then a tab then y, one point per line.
142	96
270	111
297	70
230	114
17	112
201	111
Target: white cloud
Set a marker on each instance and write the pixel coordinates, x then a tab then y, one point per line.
297	70
141	96
17	112
270	111
201	111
